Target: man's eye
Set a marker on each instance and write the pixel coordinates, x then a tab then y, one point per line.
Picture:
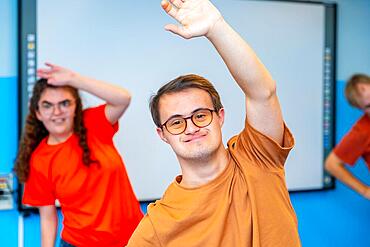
200	116
176	123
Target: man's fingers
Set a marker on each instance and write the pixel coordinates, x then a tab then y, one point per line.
171	10
177	3
177	30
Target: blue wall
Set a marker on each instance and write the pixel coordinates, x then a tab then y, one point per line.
8	110
8	123
341	217
338	217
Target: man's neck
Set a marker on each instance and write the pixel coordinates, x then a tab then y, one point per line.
196	173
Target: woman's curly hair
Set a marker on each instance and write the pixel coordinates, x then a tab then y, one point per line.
35	131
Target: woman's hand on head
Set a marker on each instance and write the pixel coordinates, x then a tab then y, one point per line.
57	75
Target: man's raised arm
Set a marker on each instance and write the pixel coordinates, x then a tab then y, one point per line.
201	18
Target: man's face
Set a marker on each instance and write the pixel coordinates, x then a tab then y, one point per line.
194	143
364	97
56	110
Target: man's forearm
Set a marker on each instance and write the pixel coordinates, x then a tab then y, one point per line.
336	167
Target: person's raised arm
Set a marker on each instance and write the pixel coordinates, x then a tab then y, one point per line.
49	225
201	18
117	98
336	167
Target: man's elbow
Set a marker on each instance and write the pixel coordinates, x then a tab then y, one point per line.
328	165
270	91
332	163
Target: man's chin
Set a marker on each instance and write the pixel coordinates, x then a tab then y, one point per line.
198	154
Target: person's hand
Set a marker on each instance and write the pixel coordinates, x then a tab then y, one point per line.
57	75
196	17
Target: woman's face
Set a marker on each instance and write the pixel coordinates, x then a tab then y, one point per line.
56	110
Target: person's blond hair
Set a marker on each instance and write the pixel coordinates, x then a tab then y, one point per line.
351	90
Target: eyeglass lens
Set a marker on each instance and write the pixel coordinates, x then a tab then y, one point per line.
48	108
200	118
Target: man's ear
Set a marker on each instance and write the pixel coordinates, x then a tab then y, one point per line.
221	116
161	135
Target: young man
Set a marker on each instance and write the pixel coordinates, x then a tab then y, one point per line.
224	197
356	143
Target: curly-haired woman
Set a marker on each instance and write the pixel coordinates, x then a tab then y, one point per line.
67	153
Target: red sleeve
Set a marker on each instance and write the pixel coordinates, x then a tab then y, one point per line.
38	190
97	123
353	145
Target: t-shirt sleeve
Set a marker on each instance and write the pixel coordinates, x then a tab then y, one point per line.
97	123
254	147
352	146
144	235
38	189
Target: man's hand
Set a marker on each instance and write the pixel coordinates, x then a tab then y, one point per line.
196	17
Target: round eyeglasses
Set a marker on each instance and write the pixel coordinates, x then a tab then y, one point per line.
200	118
46	108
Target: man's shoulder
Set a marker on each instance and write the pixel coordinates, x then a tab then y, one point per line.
156	206
364	121
362	124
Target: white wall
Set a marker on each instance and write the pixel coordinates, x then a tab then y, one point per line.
125	43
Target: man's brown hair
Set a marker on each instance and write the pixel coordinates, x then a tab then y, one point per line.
179	84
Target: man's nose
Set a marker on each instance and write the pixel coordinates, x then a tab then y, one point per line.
190	127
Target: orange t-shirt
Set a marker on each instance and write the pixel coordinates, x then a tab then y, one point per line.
246	205
356	143
98	204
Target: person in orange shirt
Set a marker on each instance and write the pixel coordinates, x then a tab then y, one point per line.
67	153
225	197
356	143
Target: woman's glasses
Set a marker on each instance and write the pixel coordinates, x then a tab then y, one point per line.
46	108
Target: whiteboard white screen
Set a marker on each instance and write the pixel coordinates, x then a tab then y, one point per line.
124	42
